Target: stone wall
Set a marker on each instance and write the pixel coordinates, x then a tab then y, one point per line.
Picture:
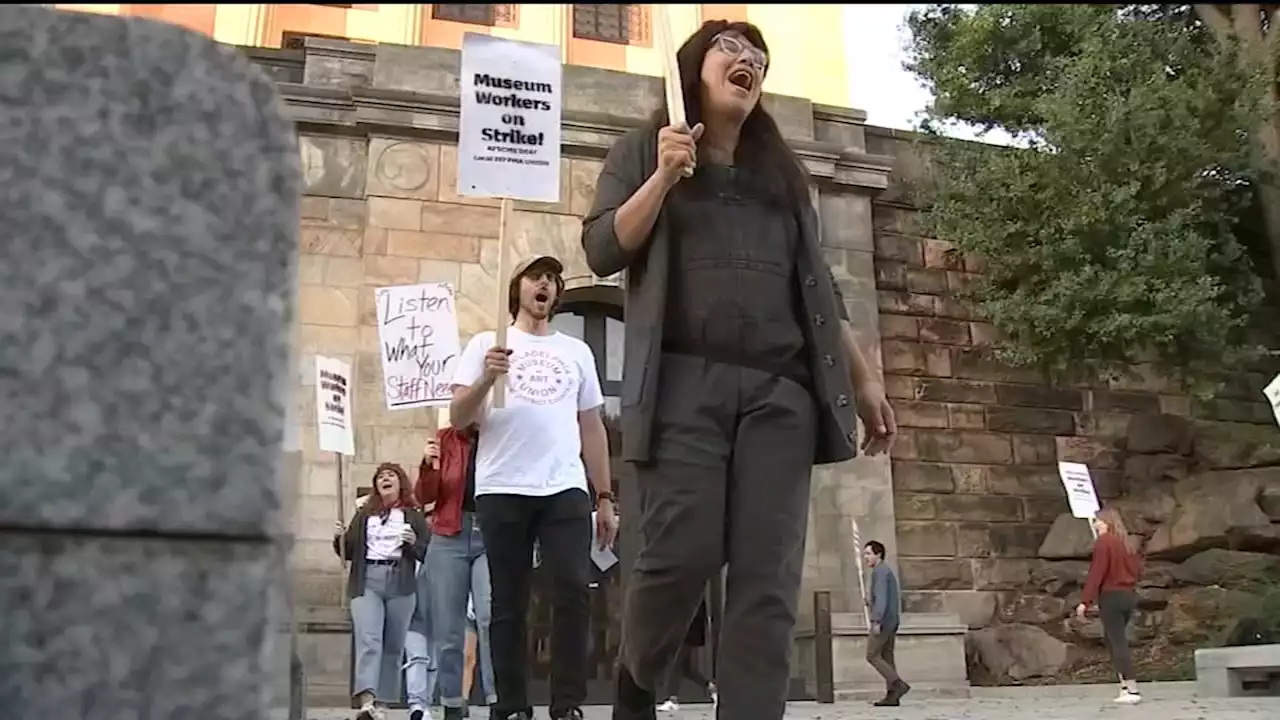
377	127
982	519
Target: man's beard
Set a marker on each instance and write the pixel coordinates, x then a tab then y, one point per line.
538	311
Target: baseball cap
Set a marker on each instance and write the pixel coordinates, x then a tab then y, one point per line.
523	266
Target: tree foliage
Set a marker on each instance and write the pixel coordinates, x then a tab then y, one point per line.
1115	235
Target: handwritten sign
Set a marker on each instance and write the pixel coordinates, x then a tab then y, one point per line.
1272	392
1079	486
509	129
418	331
333	406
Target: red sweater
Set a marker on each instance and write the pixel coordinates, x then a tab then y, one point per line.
446	485
1114	567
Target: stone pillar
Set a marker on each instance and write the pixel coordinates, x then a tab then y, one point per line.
145	300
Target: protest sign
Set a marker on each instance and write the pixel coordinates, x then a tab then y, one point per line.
509	129
1272	392
1079	486
333	406
418	332
508	139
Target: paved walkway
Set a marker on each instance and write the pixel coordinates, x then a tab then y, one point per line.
1175	701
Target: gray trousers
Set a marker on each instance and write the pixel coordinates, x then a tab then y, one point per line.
880	654
728	482
1115	608
379	623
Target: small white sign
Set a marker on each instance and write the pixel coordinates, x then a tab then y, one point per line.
604	558
418	332
1079	486
333	406
1272	391
509	129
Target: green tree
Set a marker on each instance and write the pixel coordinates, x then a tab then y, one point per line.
1118	231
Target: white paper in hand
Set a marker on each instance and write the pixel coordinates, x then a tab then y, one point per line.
604	558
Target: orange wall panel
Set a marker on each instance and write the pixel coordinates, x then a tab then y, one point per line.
734	13
306	19
200	18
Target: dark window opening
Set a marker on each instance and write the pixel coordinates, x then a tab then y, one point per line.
297	41
486	15
618	24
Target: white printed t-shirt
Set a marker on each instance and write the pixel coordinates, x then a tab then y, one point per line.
533	446
383	536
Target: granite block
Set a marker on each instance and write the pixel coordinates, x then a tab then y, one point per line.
147	278
101	628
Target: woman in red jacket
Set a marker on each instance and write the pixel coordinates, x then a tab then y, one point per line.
1113	575
456	564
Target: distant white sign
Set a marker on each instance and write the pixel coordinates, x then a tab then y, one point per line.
509	129
418	331
333	406
1079	486
1272	391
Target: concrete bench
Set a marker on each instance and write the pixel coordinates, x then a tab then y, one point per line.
1248	670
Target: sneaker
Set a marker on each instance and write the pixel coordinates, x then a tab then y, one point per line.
570	714
416	715
671	705
521	715
1127	697
453	713
367	712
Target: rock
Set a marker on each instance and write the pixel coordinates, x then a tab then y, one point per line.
1228	568
1203	615
1059	578
1152	598
1152	434
1157	574
1033	609
1236	445
1146	508
1141	629
1017	651
1269	502
1069	539
1215	510
1140	470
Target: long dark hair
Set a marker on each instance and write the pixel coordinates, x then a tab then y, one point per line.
761	148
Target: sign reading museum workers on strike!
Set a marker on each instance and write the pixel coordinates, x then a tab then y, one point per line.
509	132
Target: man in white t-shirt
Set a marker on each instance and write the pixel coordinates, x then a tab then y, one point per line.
532	467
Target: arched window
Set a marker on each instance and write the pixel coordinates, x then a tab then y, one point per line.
599	325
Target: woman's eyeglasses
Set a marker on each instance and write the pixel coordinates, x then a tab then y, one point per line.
736	47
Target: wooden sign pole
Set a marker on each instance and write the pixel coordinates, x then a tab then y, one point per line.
502	307
342	541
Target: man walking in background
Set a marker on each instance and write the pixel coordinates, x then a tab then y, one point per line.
886	613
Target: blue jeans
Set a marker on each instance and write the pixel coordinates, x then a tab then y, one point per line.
458	566
420	665
380	622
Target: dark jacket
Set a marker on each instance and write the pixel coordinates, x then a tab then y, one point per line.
403	582
631	160
446	485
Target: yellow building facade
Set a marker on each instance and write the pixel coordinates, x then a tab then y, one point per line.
808	57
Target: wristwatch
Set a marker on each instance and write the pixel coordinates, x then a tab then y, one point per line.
606	495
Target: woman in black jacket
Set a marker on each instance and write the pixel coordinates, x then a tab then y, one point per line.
384	542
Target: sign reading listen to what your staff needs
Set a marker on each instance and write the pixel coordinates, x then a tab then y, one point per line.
509	130
418	332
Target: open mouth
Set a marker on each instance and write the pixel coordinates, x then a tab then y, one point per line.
743	79
542	297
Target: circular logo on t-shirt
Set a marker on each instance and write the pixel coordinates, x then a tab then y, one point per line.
540	377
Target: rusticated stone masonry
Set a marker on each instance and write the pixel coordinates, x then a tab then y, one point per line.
975	481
